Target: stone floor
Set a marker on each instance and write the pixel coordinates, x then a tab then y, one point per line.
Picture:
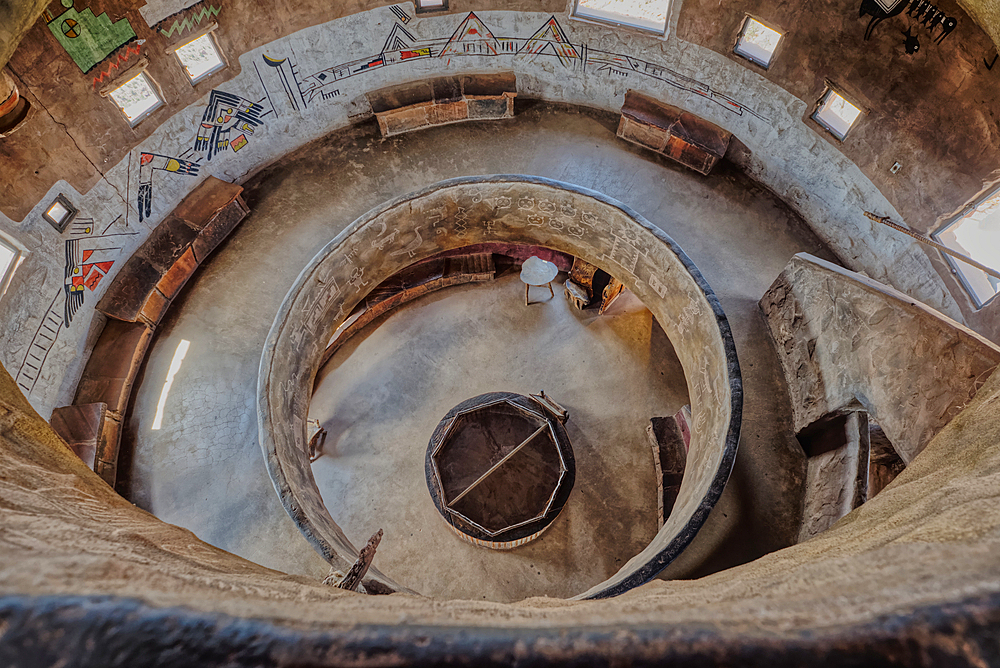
202	469
382	395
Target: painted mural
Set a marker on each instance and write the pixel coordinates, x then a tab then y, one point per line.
89	256
473	37
87	38
150	162
227	121
118	63
189	23
923	14
226	115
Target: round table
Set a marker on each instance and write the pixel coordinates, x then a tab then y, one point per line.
536	271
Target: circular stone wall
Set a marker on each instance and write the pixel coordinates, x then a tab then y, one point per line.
508	209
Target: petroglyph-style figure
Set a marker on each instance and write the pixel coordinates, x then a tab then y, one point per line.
411	249
153	161
224	114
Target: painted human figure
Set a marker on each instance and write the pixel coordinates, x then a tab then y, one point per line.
148	162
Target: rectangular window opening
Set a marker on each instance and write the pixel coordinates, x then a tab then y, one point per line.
60	213
136	98
648	15
836	114
200	57
431	5
9	256
757	42
976	233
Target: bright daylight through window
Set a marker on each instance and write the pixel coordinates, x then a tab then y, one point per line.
757	42
8	262
836	114
645	14
200	57
136	98
976	233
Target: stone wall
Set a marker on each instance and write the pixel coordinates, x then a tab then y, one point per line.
517	210
844	339
124	182
910	578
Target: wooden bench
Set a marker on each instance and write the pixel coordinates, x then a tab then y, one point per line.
134	304
677	134
443	100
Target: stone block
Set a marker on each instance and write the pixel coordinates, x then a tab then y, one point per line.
446	89
649	136
494	85
167	243
669	438
155	307
837	447
203	203
397	97
675	133
404	120
443	100
128	292
218	227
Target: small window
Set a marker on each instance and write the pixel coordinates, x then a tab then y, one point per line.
60	213
431	5
757	42
200	57
136	98
836	114
8	263
646	15
976	232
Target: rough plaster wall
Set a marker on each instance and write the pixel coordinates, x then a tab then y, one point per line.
831	481
842	338
909	100
16	16
929	539
987	14
823	185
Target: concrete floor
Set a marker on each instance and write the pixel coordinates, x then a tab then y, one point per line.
203	468
381	397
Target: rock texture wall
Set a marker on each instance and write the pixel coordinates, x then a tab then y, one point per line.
910	578
844	339
301	86
517	210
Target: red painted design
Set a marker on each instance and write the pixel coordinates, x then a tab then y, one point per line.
93	279
123	55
